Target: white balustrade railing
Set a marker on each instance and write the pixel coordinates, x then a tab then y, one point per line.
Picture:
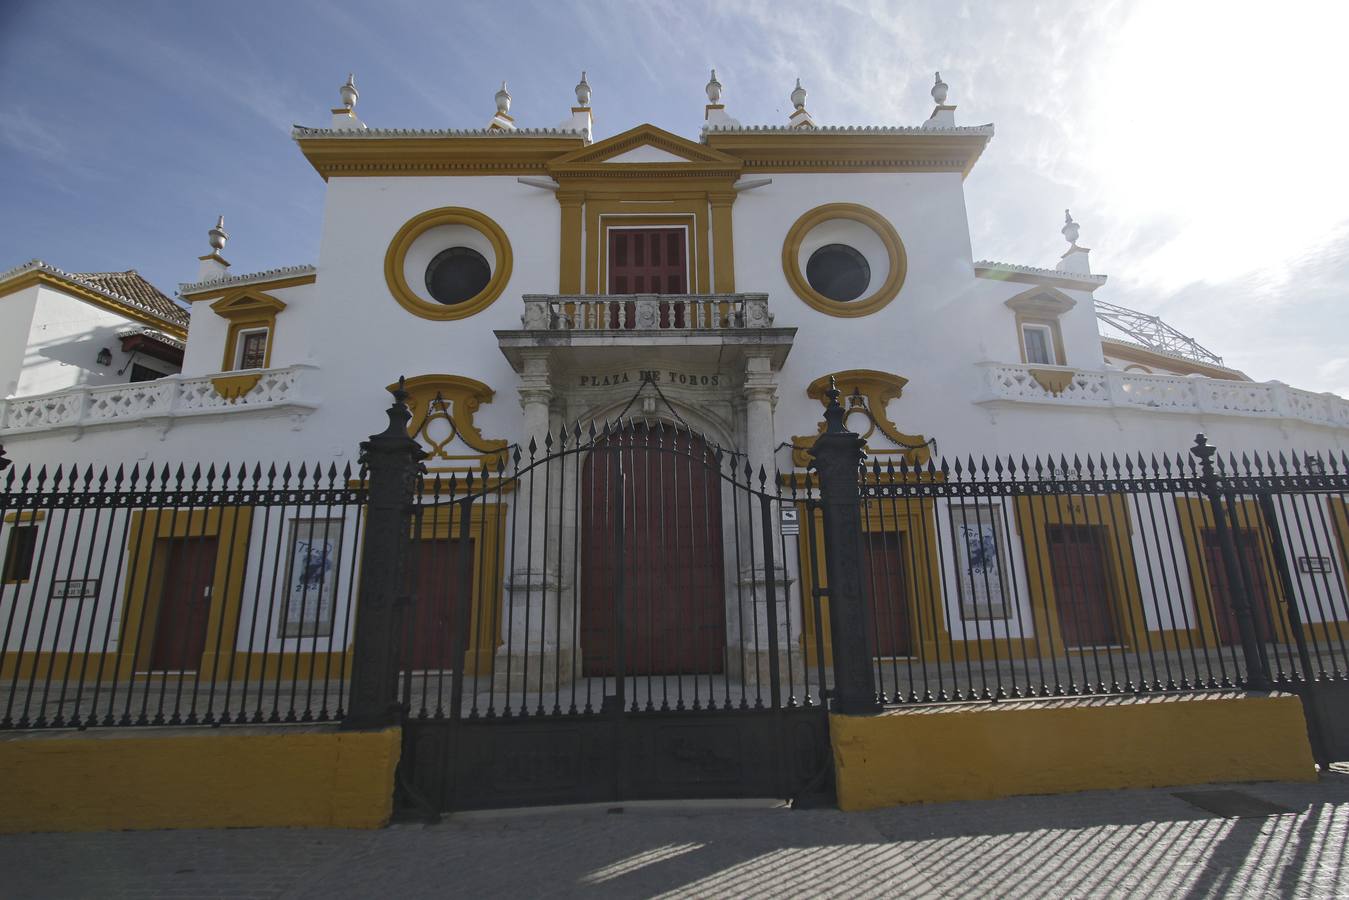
645	312
1063	386
167	398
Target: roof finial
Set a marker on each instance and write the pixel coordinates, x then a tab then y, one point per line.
1070	228
213	265
939	90
348	92
713	89
218	236
943	115
502	121
799	117
583	91
1076	258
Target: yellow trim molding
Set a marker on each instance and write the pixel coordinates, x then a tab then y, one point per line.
209	293
1145	357
247	310
829	151
232	387
1042	306
24	516
500	154
986	751
1055	381
396	255
459	399
151	533
47	280
894	248
871	392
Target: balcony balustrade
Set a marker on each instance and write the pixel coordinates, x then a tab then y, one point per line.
1195	395
284	390
645	312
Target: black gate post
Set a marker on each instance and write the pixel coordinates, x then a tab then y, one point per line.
392	461
836	456
1257	679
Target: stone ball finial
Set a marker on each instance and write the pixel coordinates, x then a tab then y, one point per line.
939	90
799	96
1070	228
503	98
713	89
583	91
348	91
217	235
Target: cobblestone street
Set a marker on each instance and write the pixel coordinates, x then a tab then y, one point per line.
1114	843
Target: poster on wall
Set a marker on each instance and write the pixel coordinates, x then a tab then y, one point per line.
980	560
311	577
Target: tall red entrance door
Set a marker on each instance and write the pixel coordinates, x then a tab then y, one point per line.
1247	542
184	603
435	612
651	521
1082	591
889	594
647	261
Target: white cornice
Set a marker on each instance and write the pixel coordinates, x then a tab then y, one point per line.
37	265
916	131
987	268
152	333
195	287
299	131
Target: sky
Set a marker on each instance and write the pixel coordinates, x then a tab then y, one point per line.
1198	144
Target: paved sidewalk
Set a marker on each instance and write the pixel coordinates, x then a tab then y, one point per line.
1110	843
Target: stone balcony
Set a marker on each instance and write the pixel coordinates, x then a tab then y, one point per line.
286	391
1062	386
591	326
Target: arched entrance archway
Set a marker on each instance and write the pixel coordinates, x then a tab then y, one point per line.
652	571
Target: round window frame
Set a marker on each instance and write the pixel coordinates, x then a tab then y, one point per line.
846	309
395	259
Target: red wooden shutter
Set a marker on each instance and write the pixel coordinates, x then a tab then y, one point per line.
647	261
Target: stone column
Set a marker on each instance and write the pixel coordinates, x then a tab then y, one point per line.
532	654
760	393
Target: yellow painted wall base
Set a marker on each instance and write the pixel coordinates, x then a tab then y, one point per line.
233	777
981	752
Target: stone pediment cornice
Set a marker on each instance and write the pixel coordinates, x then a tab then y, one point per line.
693	158
851	149
413	152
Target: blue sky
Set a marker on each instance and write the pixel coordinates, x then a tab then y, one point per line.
1198	144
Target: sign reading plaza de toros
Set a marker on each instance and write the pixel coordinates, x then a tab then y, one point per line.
656	376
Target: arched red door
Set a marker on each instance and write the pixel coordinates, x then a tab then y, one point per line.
651	534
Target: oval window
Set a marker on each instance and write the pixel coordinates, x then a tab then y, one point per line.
838	272
457	274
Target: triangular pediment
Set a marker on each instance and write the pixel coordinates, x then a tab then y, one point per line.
648	146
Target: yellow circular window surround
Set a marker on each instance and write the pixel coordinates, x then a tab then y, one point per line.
402	242
894	248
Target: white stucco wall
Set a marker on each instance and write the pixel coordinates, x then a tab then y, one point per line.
16	319
63	341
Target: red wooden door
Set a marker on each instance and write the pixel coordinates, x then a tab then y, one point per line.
1248	556
668	494
1082	590
647	261
435	612
184	603
889	594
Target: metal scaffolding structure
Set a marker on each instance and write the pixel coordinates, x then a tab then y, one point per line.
1153	333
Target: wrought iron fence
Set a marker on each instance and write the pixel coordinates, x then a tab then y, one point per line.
162	596
1042	577
634	566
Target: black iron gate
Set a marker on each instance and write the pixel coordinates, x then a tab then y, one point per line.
614	614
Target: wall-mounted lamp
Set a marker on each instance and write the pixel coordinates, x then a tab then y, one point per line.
104	357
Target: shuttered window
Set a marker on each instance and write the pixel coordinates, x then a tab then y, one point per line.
648	261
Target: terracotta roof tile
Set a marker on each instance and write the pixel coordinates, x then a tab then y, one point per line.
130	286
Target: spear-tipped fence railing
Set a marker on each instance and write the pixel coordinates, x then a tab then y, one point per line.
160	595
1014	577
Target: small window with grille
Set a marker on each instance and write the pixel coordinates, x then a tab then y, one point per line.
252	350
19	553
